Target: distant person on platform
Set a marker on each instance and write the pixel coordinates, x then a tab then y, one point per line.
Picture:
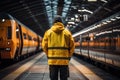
58	44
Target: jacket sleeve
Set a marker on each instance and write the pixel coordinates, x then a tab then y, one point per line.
45	43
72	46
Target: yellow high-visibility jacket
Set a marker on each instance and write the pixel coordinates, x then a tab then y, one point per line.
58	45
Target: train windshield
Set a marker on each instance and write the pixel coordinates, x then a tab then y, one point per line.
9	32
5	33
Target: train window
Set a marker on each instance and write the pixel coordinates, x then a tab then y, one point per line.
9	32
24	36
87	38
29	37
34	39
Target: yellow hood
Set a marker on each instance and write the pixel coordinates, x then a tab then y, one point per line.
57	27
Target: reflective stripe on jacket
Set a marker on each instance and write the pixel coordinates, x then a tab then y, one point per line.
58	45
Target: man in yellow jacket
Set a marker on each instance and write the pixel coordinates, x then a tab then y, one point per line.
58	45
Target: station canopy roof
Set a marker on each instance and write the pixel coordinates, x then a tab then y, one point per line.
77	14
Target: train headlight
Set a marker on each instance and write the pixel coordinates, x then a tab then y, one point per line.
3	20
8	42
7	49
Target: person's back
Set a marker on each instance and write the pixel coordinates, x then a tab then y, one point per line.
58	45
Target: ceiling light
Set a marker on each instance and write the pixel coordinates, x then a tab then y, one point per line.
76	16
104	22
72	19
85	10
92	0
116	30
99	24
108	21
117	17
71	22
113	19
104	1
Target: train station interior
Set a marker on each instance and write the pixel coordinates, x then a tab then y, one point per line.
94	25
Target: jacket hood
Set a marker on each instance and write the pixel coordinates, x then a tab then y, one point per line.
57	27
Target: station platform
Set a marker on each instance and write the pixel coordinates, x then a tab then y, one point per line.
38	69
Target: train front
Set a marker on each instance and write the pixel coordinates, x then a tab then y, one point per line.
6	42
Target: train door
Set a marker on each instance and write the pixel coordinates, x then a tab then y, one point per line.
19	41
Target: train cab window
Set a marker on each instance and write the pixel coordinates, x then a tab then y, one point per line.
24	36
9	32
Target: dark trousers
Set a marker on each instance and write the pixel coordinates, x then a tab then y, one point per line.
58	69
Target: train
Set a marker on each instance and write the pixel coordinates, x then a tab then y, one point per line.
16	40
101	42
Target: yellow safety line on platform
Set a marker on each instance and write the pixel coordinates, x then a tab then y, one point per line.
23	68
85	71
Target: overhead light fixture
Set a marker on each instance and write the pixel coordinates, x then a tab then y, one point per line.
116	30
85	10
118	17
77	20
71	22
76	16
104	1
113	19
108	21
104	22
92	0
